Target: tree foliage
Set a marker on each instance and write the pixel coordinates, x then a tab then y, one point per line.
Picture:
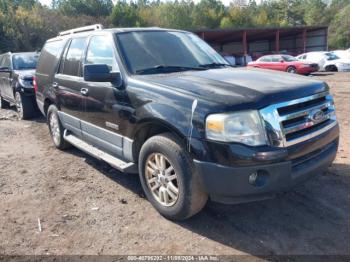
26	24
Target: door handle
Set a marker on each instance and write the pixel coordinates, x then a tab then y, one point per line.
84	91
55	85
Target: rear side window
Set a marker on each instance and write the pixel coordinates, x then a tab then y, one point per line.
49	57
265	59
72	62
100	51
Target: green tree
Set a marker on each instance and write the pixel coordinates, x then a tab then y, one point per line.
95	8
208	14
124	14
339	30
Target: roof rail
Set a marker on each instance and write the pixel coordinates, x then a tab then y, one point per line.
81	29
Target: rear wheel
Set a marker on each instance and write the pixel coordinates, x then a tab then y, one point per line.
24	106
3	103
169	179
56	128
291	70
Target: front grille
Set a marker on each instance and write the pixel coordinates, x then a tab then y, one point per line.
298	120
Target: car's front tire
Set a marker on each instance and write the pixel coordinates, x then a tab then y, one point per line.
291	70
56	129
169	179
24	106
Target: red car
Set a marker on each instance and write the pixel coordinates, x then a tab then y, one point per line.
284	63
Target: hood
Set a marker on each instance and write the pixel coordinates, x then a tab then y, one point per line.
25	73
244	87
342	60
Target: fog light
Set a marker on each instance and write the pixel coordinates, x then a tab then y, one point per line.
252	178
259	178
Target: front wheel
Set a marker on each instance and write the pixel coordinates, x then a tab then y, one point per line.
169	179
291	70
24	106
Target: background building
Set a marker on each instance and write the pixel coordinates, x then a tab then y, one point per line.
257	42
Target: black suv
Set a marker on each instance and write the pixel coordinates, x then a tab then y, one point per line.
16	82
164	104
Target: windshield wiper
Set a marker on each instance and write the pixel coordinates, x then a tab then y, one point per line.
214	65
163	68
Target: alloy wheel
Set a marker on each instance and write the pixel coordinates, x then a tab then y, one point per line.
55	128
162	179
19	106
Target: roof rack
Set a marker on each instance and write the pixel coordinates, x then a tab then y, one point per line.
81	29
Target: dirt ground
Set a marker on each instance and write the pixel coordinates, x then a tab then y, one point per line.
86	207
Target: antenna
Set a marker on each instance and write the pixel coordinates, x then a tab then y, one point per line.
194	106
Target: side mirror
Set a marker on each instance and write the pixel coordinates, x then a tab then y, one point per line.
101	73
281	61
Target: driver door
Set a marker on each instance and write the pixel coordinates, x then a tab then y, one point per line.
102	101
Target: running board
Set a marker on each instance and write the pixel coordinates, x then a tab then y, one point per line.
99	154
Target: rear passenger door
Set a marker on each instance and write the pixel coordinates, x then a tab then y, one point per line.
101	120
68	86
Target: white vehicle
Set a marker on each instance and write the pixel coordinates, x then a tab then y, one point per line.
342	53
327	61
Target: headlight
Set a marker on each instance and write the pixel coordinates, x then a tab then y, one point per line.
25	81
243	127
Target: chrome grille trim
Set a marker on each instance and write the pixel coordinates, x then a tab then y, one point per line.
298	121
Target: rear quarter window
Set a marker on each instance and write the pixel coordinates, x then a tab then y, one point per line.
50	56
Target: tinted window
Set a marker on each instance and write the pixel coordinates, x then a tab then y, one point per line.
331	56
151	49
72	63
25	61
265	59
100	51
49	57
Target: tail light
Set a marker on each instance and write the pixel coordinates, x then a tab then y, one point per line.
35	85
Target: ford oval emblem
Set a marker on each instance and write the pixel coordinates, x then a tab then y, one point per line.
318	116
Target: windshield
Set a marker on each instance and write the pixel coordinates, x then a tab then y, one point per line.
331	56
25	61
289	58
164	50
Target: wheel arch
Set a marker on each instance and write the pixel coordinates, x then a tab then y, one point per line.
152	127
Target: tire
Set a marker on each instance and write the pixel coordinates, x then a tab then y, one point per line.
3	103
331	68
190	198
291	70
24	106
56	129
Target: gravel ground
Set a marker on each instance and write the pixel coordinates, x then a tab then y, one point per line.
86	207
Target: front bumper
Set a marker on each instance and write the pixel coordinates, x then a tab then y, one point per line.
236	184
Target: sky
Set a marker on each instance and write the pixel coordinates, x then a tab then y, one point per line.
225	2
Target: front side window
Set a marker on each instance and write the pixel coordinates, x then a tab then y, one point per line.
166	49
100	51
25	61
331	56
72	62
289	58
